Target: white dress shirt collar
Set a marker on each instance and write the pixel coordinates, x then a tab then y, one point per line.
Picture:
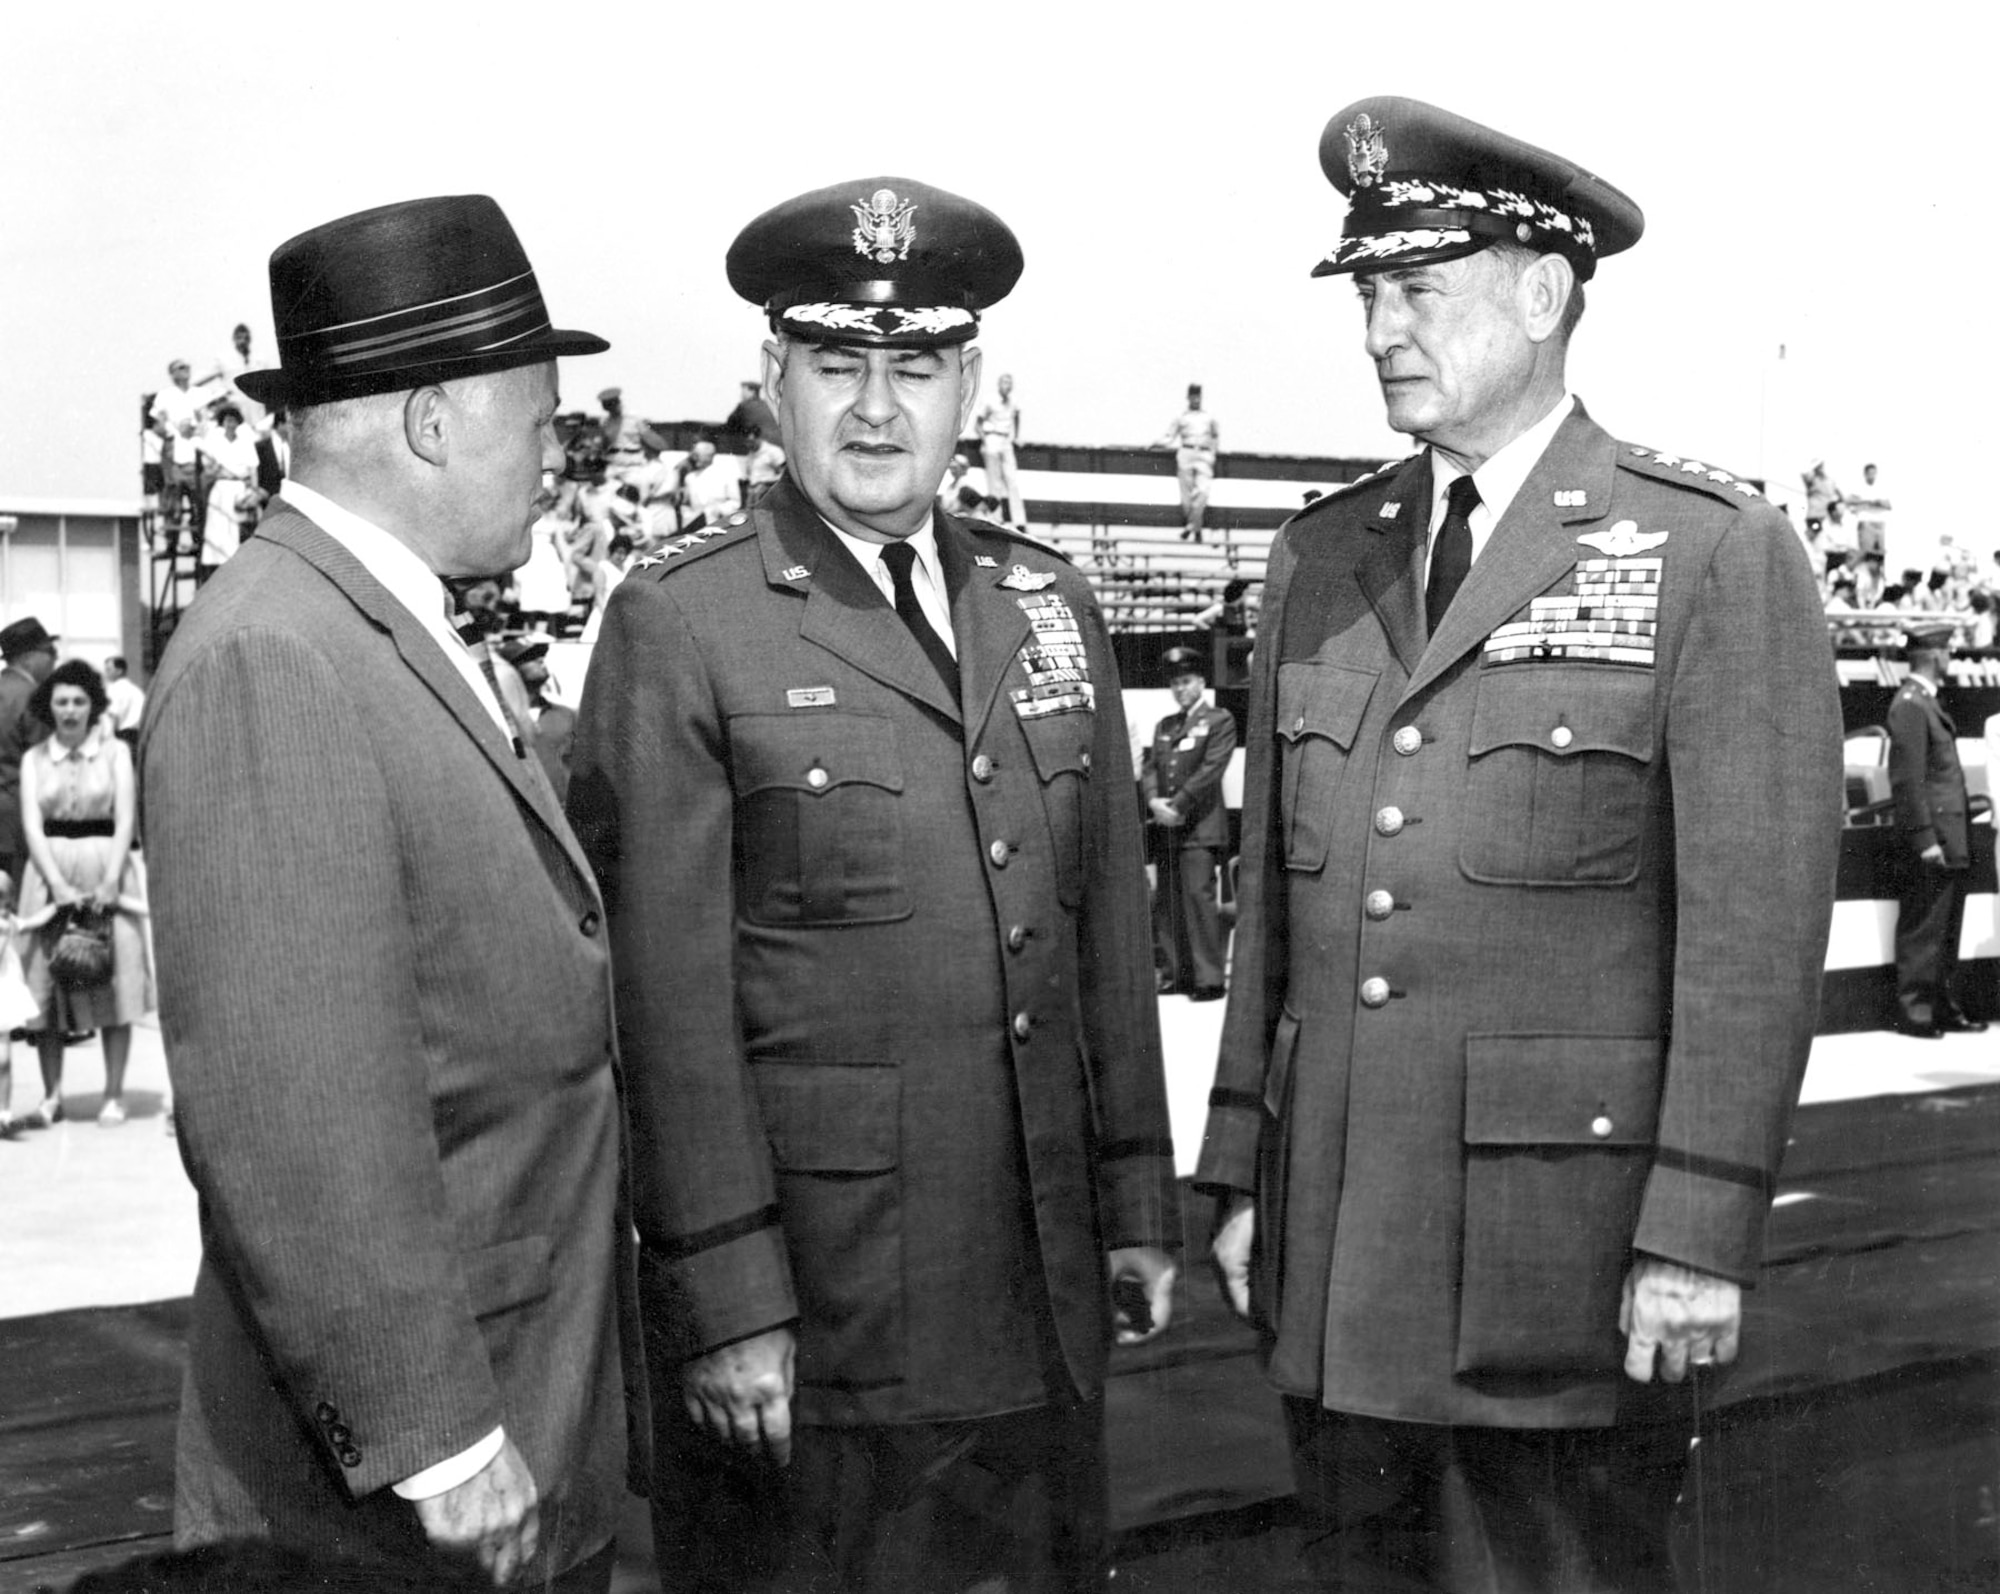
926	576
1499	479
405	577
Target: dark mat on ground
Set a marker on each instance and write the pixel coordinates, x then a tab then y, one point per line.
1887	1271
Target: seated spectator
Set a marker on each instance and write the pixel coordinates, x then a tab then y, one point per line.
1868	582
710	490
610	571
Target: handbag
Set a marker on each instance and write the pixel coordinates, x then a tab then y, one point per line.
81	955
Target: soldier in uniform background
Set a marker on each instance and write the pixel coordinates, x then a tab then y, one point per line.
1180	776
1928	785
852	772
1540	825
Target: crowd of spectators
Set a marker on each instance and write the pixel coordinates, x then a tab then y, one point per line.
211	456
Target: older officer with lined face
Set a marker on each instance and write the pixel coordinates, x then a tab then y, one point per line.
1542	808
850	771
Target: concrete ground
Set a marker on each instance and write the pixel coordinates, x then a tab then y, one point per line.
105	1217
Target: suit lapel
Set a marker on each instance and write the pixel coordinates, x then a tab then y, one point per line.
426	660
1532	547
989	625
1391	571
846	613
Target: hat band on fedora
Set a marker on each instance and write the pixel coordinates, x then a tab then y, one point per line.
467	323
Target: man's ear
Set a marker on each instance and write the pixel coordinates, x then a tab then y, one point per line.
774	373
970	361
1545	289
427	424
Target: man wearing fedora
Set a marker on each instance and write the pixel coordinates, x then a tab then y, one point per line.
1540	824
30	653
385	990
855	778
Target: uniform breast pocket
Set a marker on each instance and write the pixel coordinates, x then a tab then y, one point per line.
1319	710
1561	776
1060	744
819	836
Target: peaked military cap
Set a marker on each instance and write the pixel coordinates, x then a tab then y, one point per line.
1928	636
402	296
1184	661
1424	185
880	260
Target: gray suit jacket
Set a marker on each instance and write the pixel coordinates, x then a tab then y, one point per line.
386	999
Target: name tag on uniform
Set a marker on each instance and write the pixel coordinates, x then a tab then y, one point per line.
809	697
1184	745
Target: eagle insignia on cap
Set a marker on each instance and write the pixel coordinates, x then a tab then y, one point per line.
886	226
1367	150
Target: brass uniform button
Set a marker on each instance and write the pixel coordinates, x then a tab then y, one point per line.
1023	1026
998	853
817	778
1379	904
1374	992
1017	937
1562	736
1600	1126
982	769
1388	821
1407	740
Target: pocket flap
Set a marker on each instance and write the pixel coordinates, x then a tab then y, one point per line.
813	752
1324	700
1564	709
1061	743
1563	1090
822	1118
511	1273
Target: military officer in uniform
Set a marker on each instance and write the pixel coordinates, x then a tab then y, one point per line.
1540	825
852	775
1928	785
1180	776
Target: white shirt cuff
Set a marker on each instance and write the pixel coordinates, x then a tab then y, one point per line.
453	1470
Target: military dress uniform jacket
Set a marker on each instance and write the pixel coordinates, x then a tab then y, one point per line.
1926	780
881	964
1532	923
1185	764
385	994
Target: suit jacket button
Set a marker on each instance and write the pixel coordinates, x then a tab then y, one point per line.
982	768
1561	736
1407	740
339	1433
350	1458
324	1412
1374	992
1388	821
1380	904
1024	1026
999	852
1017	937
588	923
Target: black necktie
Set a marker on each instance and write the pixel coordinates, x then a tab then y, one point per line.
899	557
1451	557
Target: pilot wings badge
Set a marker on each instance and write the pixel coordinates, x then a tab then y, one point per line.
1367	150
886	226
1022	579
1623	539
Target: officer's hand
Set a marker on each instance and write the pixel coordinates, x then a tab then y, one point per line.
742	1393
1692	1319
1231	1250
1163	812
1933	855
1141	1268
494	1517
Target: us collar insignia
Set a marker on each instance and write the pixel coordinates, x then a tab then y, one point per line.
886	226
986	561
1571	498
1367	150
795	573
1390	511
1623	539
1022	579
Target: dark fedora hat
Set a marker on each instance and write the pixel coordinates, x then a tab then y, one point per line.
25	636
401	296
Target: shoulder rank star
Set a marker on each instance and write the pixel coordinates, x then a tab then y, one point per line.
1022	579
1623	538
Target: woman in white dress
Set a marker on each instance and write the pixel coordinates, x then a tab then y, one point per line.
229	461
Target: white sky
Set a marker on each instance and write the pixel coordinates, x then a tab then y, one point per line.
1824	184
